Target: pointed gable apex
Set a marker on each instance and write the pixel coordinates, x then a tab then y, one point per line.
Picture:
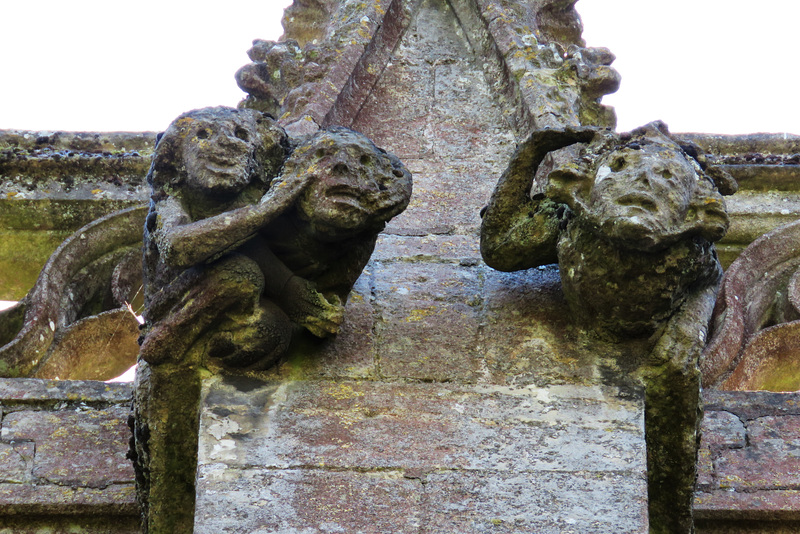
334	52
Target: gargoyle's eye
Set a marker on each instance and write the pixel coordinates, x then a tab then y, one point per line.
617	163
397	172
204	134
365	160
242	134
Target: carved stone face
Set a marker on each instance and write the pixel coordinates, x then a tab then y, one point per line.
644	194
355	185
219	153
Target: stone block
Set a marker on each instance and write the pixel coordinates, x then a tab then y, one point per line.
528	334
461	249
321	500
755	462
434	36
306	500
34	390
723	430
395	115
419	458
447	198
542	502
705	470
462	132
419	428
62	438
128	524
752	404
349	354
16	462
27	499
771	461
428	321
748	505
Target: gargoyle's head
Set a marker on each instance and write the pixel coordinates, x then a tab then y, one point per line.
641	190
218	151
355	186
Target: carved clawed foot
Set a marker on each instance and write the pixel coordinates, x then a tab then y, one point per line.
310	309
254	341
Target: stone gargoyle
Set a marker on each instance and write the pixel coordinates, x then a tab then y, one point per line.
631	220
252	236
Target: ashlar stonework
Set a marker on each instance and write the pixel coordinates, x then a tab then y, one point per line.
455	397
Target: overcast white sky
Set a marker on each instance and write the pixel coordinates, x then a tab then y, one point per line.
124	65
718	66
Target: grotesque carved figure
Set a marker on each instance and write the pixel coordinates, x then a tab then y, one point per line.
249	238
629	218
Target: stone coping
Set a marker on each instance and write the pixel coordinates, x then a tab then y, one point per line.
748	467
26	391
23	499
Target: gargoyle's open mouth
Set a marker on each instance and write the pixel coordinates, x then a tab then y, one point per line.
639	200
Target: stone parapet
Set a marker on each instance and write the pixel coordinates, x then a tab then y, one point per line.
52	183
63	447
767	169
74	165
748	464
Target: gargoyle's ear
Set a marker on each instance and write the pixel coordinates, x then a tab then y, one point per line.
167	165
726	184
708	218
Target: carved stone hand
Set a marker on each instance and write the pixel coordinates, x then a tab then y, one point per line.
310	309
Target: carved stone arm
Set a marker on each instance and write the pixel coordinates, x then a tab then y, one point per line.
519	232
183	243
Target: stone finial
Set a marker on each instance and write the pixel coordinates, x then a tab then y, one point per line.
334	51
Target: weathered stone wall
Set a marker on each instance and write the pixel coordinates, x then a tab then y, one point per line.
456	398
63	449
52	183
748	463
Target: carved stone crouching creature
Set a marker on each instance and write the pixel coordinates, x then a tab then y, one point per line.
631	220
249	238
